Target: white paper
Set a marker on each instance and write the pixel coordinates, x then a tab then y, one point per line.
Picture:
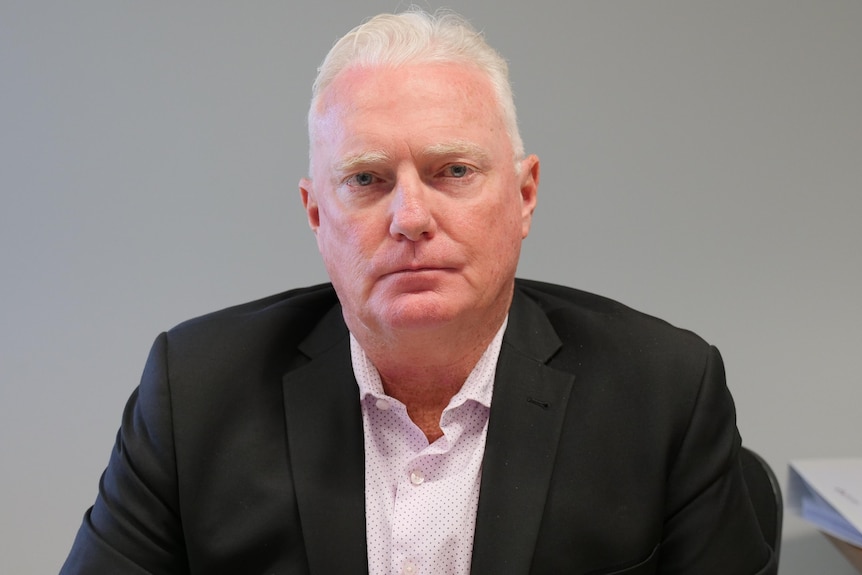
828	493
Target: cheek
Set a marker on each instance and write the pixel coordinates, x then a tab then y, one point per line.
341	244
505	239
491	240
497	226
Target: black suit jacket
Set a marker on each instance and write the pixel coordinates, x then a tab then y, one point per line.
612	448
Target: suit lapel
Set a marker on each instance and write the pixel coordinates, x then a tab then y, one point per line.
527	412
325	441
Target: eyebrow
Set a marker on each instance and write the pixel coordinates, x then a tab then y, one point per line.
463	148
350	163
457	148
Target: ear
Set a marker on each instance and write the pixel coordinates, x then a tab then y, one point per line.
309	202
529	185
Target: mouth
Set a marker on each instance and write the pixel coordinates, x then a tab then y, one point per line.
418	277
419	269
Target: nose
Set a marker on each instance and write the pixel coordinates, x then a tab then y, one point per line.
411	214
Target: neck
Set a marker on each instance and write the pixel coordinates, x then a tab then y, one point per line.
425	370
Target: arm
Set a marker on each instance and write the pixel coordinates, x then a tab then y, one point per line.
134	526
710	525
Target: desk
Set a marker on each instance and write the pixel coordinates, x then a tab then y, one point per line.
851	552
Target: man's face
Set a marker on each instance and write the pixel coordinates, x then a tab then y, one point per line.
415	199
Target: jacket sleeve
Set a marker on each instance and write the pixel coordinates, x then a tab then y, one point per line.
710	524
134	526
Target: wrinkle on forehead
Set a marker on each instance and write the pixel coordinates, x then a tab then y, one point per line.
361	89
339	93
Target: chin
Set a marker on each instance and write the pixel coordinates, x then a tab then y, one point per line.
418	311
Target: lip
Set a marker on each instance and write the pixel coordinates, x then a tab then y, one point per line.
417	273
419	269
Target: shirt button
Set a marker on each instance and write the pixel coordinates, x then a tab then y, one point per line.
382	404
409	568
417	477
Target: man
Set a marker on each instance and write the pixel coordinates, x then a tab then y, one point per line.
426	413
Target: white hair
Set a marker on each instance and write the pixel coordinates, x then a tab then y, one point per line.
416	36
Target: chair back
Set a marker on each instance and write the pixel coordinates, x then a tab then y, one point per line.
765	495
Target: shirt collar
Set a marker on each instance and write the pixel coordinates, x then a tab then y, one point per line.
478	387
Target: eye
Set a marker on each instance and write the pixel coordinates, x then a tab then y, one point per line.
457	171
361	179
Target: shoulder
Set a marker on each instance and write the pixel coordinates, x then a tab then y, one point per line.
270	329
632	370
300	302
232	361
577	313
293	308
600	332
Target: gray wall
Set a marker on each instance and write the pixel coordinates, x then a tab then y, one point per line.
702	161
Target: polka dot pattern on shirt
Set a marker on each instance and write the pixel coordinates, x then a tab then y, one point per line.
421	499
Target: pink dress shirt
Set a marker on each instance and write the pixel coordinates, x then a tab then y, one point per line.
421	499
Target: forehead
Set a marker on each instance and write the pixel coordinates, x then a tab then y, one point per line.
430	101
360	85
